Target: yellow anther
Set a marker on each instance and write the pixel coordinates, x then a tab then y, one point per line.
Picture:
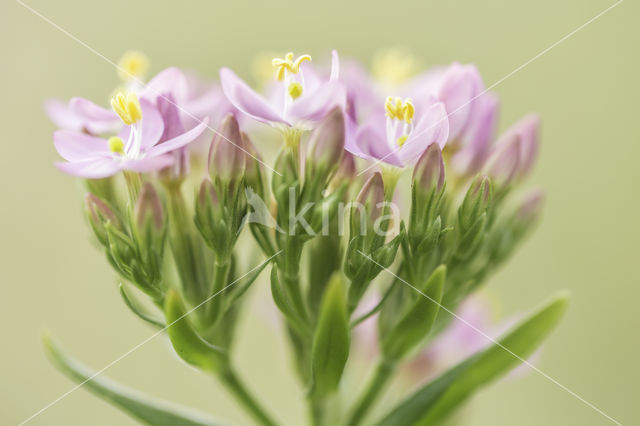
401	140
288	64
394	66
116	145
399	109
132	65
127	107
295	90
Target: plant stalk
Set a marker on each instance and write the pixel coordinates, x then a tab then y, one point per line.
233	383
381	376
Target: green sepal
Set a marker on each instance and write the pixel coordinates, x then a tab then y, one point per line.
416	322
433	402
141	312
146	409
187	343
331	340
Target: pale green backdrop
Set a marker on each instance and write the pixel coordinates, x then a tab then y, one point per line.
586	90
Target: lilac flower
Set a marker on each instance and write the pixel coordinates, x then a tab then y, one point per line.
144	150
399	139
82	115
458	87
303	98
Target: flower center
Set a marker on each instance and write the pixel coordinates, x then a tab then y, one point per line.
288	71
132	65
128	109
288	65
399	110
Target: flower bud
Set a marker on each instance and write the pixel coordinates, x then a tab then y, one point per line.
149	219
100	215
367	209
529	130
254	177
148	208
504	163
326	146
530	207
227	156
476	202
428	173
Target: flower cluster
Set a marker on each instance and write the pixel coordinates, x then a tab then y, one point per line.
174	178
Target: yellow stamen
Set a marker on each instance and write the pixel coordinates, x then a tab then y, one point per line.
295	90
132	65
288	64
399	109
116	145
401	140
127	107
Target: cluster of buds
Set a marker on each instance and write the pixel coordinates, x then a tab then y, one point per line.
325	213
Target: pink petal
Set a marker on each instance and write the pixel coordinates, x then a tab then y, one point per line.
459	85
178	141
149	164
478	136
76	146
169	81
61	115
335	65
431	127
95	118
246	99
92	168
313	105
372	144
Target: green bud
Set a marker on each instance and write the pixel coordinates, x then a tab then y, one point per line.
428	174
368	206
100	214
476	202
331	339
254	174
148	210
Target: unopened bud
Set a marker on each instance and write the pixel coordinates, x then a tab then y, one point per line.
529	130
207	194
530	207
148	208
100	215
504	164
476	202
254	173
368	204
428	173
227	156
326	146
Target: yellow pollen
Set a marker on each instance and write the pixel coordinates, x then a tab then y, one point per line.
401	140
116	145
288	64
295	90
127	107
399	109
132	65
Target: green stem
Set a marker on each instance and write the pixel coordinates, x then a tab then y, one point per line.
381	376
134	183
242	395
316	412
291	277
220	280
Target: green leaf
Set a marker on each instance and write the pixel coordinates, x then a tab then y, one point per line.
186	342
417	321
331	341
135	307
433	402
138	405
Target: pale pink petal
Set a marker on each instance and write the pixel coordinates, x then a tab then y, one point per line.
169	81
372	144
93	168
459	85
95	119
247	100
178	141
149	164
314	105
431	127
61	115
77	146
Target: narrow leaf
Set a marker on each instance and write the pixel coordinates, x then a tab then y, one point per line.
138	405
433	402
331	341
416	323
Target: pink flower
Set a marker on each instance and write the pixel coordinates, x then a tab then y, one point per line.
82	115
302	100
399	139
144	150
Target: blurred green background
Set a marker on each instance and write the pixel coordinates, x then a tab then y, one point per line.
586	90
